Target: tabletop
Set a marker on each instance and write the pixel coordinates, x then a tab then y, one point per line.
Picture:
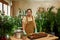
49	37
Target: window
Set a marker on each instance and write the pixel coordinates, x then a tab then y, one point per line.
1	6
5	9
8	10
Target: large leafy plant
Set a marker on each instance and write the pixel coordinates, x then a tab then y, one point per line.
8	24
45	20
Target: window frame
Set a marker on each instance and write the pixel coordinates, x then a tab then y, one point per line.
1	7
7	9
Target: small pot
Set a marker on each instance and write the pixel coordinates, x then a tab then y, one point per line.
18	33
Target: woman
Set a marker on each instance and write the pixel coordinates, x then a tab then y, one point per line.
28	23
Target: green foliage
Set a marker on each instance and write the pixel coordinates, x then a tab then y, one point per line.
58	19
41	21
18	21
51	15
51	18
45	20
8	24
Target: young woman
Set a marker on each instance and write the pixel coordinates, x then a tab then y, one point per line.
28	23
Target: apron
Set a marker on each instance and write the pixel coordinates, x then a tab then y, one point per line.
29	28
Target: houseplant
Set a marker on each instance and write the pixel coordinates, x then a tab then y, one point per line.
7	25
45	20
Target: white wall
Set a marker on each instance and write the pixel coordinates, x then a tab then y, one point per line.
33	5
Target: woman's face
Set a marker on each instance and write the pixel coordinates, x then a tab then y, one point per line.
29	13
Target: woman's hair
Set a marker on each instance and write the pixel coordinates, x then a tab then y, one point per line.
28	9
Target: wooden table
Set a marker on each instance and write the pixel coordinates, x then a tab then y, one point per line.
49	37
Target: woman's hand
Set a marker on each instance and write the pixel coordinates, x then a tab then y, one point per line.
24	32
35	30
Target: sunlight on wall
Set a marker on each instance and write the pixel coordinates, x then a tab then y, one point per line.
33	5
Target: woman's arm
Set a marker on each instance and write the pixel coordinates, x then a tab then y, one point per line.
35	25
34	22
23	23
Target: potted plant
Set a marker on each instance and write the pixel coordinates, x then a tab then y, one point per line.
7	25
45	20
